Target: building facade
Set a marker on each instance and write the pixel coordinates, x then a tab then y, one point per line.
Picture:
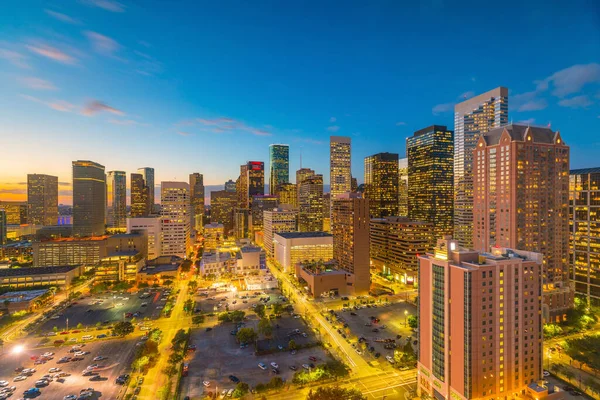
480	323
139	197
241	228
381	184
116	199
430	178
197	200
89	198
521	193
151	226
214	236
288	195
2	228
340	175
259	204
350	228
42	199
584	229
175	218
148	176
291	248
395	244
403	187
472	118
16	212
279	164
310	210
275	221
222	205
229	186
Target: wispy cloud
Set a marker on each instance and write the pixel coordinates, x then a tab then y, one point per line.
126	122
570	80
15	58
108	5
37	83
332	119
62	17
442	108
95	107
582	101
58	105
52	53
65	184
309	141
527	121
182	133
225	124
333	128
102	44
528	101
400	123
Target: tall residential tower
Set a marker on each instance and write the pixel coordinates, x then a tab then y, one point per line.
116	199
279	164
340	176
89	198
42	199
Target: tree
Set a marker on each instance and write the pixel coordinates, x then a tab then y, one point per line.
260	310
192	286
241	389
79	325
197	319
275	383
186	265
237	316
292	345
188	306
179	339
413	322
55	328
175	358
277	308
568	374
140	363
122	328
335	393
246	335
265	327
224	317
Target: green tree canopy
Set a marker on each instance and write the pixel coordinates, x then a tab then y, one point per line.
197	319
265	327
260	310
335	393
122	328
246	335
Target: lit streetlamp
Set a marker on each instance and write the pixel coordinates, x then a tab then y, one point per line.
405	317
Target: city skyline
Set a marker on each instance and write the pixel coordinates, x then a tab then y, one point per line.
86	80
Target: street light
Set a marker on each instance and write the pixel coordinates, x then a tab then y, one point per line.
405	317
18	349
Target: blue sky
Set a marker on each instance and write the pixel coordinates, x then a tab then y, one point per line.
188	86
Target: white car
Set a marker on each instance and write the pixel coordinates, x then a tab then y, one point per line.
390	359
54	317
206	383
19	378
546	373
87	337
99	358
274	365
3	383
48	354
262	366
70	397
79	353
53	370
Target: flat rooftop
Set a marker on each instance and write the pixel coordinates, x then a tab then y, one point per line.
22	295
303	235
73	239
8	272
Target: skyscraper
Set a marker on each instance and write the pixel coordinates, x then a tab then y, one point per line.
381	184
584	214
430	180
89	198
260	203
350	227
2	229
480	324
222	205
275	221
279	164
116	199
521	194
310	216
403	187
472	118
241	187
16	212
175	218
148	175
197	200
251	182
288	195
340	178
139	196
230	186
42	199
301	175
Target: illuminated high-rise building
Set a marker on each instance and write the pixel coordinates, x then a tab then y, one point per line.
288	195
279	164
230	186
42	199
148	175
175	218
260	203
403	187
301	175
480	323
327	212
116	199
241	228
241	187
472	118
310	215
584	228
350	228
197	200
222	205
2	229
89	198
430	180
340	177
381	184
521	194
275	221
251	182
16	212
139	196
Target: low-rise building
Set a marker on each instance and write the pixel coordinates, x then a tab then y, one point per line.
22	278
260	282
294	247
24	300
323	280
216	263
159	270
250	259
119	266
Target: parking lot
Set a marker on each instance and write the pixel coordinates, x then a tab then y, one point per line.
104	309
218	354
391	324
116	359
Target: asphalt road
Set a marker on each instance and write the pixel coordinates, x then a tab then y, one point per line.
118	353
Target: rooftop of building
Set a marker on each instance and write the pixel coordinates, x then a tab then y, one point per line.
123	254
303	235
61	269
214	225
431	128
258	278
251	249
19	244
22	295
78	239
321	268
161	264
584	171
128	235
518	132
216	256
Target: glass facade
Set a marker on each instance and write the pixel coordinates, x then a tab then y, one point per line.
279	160
430	181
381	184
339	165
42	199
139	196
438	324
403	187
116	198
89	198
472	118
310	196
